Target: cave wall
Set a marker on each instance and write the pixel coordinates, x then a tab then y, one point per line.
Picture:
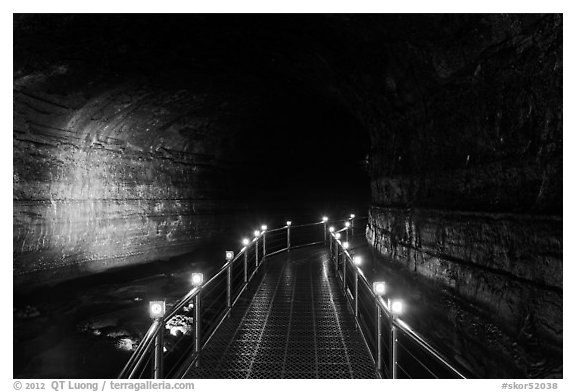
467	172
112	174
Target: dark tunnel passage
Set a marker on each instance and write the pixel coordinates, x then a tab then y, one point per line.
140	139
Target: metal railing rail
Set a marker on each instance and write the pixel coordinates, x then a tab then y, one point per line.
408	355
405	352
236	274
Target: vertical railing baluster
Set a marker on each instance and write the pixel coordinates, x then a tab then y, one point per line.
157	310
337	257
356	294
256	250
246	266
344	260
393	349
197	324
159	352
288	235
229	259
264	244
378	339
352	216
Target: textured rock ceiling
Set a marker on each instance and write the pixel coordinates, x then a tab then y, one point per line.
428	89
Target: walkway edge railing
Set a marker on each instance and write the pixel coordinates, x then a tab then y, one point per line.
151	347
390	309
151	350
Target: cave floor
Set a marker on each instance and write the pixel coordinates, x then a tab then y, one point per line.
294	323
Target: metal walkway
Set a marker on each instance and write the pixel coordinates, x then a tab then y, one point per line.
293	303
293	323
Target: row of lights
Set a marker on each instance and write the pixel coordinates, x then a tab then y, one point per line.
379	288
157	309
395	306
257	234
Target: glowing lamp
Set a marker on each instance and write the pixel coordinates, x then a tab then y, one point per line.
245	241
345	244
197	279
379	288
264	228
229	255
352	216
357	260
347	224
157	309
324	219
396	307
256	233
331	229
337	235
288	223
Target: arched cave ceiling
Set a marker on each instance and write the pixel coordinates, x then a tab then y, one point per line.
434	92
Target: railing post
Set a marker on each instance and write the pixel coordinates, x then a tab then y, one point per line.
229	258
356	294
157	310
331	240
256	250
393	349
347	236
378	338
344	260
325	232
246	265
352	216
337	256
263	244
229	287
197	324
288	235
159	352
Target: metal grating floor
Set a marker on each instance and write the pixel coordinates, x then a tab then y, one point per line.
294	323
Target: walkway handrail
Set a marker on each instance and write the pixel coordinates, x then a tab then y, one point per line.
189	317
338	251
239	270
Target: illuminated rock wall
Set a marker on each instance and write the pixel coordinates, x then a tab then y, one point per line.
111	179
467	182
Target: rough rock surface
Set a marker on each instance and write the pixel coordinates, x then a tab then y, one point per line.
97	184
467	179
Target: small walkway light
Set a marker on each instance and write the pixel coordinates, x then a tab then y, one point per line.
245	241
347	224
352	216
197	279
331	229
256	233
379	288
345	245
288	223
229	255
396	307
324	219
357	260
264	228
337	235
157	309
